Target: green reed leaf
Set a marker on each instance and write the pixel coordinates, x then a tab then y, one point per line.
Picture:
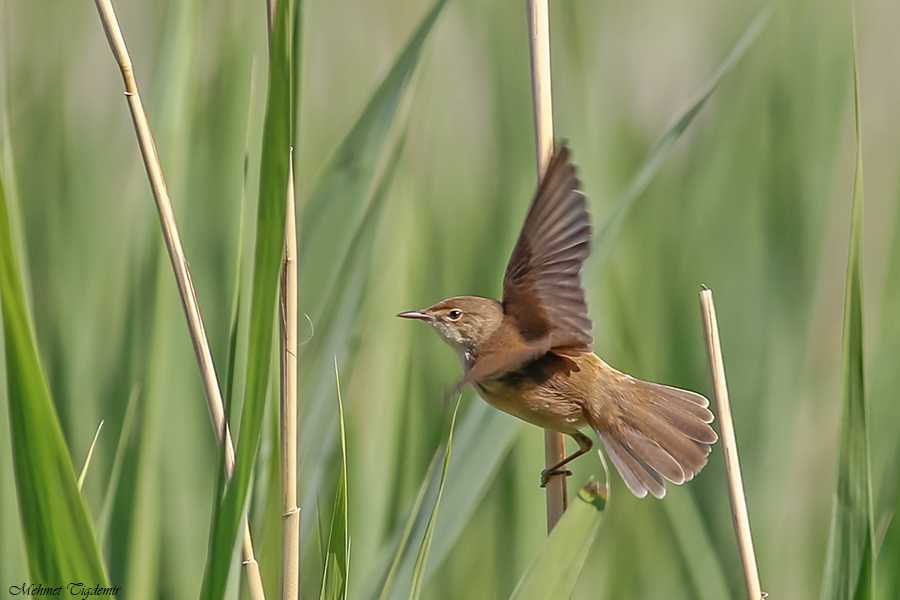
555	568
850	570
59	536
267	267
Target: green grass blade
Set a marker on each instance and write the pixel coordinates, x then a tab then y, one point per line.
116	472
233	330
337	557
608	232
418	577
850	572
554	570
59	537
297	65
267	264
887	503
484	439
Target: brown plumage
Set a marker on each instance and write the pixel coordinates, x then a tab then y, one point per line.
531	355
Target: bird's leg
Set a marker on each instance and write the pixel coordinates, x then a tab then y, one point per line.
584	446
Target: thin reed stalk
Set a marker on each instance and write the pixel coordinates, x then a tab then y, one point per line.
290	555
739	513
539	46
179	266
87	460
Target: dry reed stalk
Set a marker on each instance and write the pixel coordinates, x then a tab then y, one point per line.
539	45
739	514
179	265
87	460
290	555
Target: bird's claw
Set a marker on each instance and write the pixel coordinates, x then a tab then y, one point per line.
546	474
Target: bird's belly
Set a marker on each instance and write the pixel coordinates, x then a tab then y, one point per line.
547	408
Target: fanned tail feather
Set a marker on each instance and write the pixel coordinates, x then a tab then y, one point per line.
665	436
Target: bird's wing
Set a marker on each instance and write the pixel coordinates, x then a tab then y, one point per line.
542	290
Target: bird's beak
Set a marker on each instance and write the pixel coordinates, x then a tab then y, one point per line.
417	314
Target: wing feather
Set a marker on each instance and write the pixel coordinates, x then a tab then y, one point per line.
542	287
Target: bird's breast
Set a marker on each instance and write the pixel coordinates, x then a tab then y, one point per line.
549	392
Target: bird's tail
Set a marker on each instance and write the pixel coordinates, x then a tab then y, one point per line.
653	431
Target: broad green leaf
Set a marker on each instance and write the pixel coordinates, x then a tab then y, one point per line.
554	570
850	570
267	263
422	559
59	536
337	557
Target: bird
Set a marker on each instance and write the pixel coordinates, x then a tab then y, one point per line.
531	354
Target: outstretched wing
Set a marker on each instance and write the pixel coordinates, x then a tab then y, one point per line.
542	290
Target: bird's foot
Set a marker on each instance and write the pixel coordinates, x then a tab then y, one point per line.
546	474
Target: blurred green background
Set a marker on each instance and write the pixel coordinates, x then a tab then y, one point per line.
754	203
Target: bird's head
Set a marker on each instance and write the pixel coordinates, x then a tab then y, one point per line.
464	322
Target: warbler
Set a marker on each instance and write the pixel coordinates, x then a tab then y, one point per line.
530	355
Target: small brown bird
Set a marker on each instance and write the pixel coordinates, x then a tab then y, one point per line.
531	355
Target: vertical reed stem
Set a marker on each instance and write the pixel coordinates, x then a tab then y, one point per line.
290	555
539	45
729	447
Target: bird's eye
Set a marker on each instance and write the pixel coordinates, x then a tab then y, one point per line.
454	315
